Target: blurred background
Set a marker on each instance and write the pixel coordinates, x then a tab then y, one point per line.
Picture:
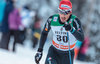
21	22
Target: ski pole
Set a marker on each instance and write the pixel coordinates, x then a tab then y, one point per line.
49	59
69	47
37	63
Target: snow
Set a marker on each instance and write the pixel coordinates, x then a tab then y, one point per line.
25	55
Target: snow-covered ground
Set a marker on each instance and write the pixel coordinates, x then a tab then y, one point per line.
25	55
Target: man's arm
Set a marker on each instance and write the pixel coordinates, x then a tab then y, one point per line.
44	34
78	33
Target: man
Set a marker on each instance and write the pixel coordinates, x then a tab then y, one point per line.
60	24
2	8
4	29
10	26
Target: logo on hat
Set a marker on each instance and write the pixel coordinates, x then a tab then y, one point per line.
65	6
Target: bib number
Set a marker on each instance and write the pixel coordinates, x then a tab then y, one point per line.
62	38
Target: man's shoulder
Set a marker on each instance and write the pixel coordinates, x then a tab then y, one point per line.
77	20
53	16
73	16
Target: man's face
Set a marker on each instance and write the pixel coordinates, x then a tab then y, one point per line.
64	17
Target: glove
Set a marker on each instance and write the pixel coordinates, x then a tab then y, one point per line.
69	28
38	55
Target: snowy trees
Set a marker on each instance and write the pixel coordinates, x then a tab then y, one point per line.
89	12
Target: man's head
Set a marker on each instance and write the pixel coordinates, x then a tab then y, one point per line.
65	10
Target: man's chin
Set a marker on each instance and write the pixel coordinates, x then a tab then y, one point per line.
63	21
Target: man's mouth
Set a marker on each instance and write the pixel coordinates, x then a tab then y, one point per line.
63	18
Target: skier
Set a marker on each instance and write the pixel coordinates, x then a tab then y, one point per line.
60	24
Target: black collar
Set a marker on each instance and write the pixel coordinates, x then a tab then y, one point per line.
67	20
